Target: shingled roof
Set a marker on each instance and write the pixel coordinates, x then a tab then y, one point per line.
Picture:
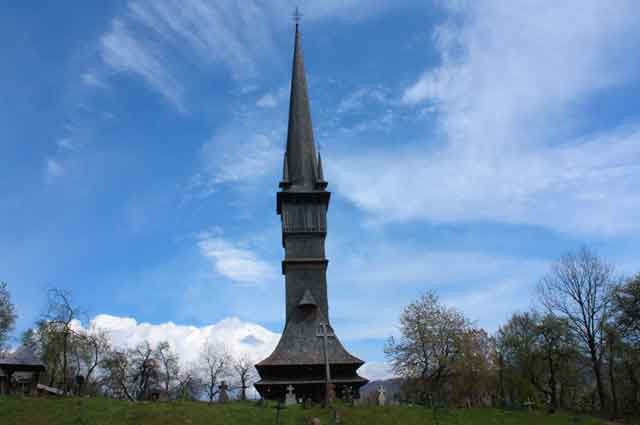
23	359
302	344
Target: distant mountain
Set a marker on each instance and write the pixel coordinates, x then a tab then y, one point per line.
391	387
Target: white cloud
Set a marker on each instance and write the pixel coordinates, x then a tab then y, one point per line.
238	155
237	263
159	40
66	144
238	337
92	80
508	98
362	98
407	264
267	101
53	170
375	371
123	51
378	279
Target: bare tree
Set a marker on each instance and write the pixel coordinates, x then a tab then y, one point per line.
245	372
132	373
168	363
145	368
215	361
578	288
188	384
430	341
88	348
116	378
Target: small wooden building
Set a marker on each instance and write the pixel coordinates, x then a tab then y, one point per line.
20	372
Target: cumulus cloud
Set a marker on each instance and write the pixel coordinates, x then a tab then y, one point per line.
235	262
238	337
512	84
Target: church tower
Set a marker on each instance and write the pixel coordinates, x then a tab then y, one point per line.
308	350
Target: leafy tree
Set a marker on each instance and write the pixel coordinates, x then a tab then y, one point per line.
46	342
430	341
474	377
57	327
7	315
537	351
626	299
520	364
556	348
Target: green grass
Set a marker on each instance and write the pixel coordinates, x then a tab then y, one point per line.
98	411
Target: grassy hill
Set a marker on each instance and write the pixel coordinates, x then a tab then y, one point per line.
75	411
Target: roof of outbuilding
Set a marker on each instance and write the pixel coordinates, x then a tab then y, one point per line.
22	359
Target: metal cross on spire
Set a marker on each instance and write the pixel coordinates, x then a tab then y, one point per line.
297	16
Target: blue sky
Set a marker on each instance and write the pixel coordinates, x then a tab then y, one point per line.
467	145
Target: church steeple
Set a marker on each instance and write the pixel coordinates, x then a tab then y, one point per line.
301	158
306	358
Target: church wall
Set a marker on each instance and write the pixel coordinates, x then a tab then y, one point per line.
306	276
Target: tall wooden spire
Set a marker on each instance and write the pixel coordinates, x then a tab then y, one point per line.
301	156
309	353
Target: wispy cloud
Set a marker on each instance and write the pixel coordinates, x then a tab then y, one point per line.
372	282
66	143
237	156
92	80
267	101
125	52
362	97
507	95
161	40
273	98
53	170
237	263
